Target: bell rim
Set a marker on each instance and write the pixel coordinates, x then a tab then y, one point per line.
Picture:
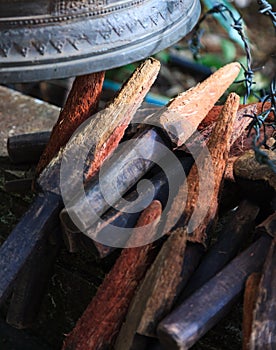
114	56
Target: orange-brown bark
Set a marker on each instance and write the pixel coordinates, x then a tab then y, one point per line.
250	108
102	319
218	147
249	302
81	103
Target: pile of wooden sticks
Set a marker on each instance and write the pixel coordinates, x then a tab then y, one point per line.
177	287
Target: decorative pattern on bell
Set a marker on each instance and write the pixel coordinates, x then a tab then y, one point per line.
45	39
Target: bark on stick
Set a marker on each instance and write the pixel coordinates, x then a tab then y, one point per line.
101	321
81	103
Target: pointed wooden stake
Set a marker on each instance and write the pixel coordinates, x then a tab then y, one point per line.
101	321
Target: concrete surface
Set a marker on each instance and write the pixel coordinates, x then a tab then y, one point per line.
23	114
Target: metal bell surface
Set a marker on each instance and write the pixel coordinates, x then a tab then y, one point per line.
46	39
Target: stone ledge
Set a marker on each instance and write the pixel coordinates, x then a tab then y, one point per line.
21	114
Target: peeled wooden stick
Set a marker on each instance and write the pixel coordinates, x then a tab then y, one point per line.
239	140
160	286
101	321
196	103
81	103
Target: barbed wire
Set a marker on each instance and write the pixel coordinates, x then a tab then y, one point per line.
237	24
259	122
266	9
260	125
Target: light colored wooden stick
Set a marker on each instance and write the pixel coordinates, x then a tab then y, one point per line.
188	109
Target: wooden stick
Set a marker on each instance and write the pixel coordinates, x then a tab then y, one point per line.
101	321
19	186
81	103
240	141
249	302
203	309
245	109
192	257
190	106
38	222
142	342
27	148
246	167
218	146
15	339
160	287
32	283
263	335
232	238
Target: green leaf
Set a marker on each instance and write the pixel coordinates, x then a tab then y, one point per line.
228	50
212	60
163	56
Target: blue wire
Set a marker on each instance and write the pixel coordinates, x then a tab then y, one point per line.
150	98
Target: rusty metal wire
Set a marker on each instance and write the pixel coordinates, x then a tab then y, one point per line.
266	9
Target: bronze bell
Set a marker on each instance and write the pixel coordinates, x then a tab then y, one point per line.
45	39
